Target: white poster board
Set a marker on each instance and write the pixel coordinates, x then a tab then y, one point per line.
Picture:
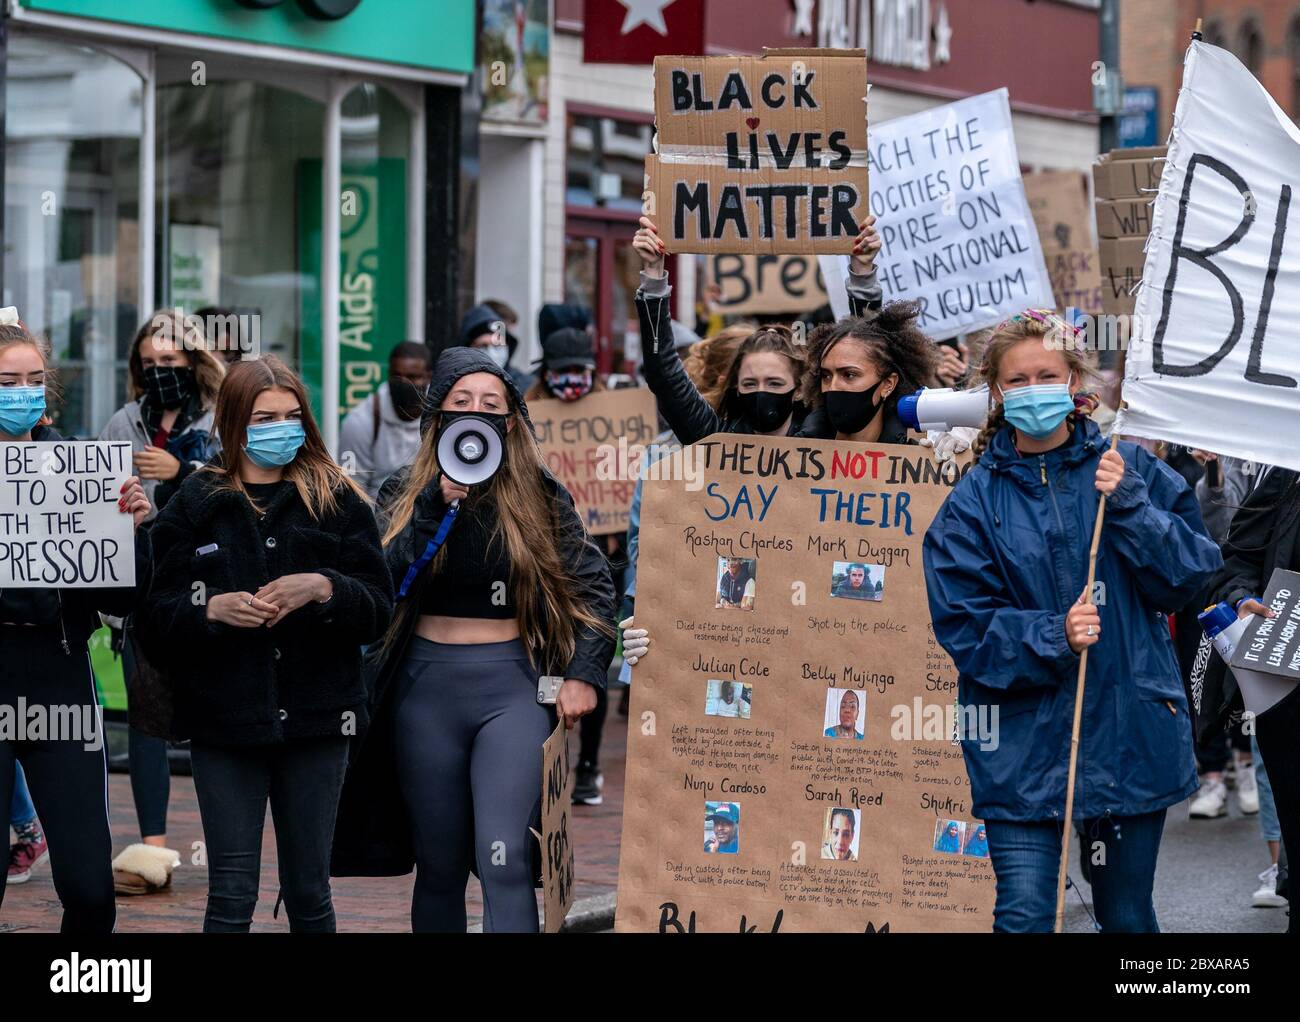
1215	357
951	210
59	521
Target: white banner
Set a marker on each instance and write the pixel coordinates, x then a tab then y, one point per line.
59	521
950	208
1215	353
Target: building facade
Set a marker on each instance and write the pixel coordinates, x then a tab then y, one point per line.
584	175
187	154
1263	34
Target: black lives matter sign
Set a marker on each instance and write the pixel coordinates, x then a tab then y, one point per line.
760	154
59	521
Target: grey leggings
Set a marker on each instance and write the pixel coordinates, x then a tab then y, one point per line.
468	732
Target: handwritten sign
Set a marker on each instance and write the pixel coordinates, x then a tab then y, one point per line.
955	226
557	844
790	758
593	446
59	521
1059	205
760	154
761	285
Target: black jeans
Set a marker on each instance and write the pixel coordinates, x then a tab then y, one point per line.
302	780
67	774
147	759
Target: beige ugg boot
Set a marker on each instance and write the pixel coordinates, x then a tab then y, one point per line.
144	869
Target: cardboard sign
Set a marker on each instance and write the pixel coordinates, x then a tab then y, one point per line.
791	763
557	846
1272	645
760	154
952	215
60	526
767	284
1125	181
586	444
1060	209
1213	363
1124	218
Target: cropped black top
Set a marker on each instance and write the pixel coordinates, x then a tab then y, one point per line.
474	578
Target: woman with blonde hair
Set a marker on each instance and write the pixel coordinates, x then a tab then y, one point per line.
1006	569
269	579
498	586
172	385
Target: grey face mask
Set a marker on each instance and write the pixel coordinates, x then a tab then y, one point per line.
498	353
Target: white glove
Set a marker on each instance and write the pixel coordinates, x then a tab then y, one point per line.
952	443
636	641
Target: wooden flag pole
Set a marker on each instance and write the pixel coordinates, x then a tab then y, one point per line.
1074	733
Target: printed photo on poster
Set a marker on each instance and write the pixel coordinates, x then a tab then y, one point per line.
978	842
515	55
949	836
852	580
840	835
728	699
722	828
737	583
846	713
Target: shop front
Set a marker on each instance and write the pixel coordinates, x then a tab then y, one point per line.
270	160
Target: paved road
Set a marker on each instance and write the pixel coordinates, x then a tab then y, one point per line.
1208	871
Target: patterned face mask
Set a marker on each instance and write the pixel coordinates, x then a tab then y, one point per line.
569	386
168	386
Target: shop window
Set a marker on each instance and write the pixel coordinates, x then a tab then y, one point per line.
235	160
606	162
74	120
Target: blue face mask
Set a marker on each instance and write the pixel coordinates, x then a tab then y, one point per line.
21	408
1037	411
273	444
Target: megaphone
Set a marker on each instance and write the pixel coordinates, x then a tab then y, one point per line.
943	408
469	449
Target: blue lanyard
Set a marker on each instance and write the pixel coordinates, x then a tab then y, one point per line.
430	550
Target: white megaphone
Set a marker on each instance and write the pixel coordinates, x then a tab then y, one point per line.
469	450
942	409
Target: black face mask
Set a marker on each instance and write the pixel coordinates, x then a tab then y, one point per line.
852	411
168	386
764	409
408	399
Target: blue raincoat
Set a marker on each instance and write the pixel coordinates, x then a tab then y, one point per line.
1005	559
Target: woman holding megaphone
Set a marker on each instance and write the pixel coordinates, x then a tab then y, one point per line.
1006	570
500	593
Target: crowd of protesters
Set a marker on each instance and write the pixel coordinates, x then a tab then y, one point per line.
365	651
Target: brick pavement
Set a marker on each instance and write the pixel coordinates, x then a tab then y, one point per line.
362	904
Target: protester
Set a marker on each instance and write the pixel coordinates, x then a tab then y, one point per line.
1006	562
221	327
1263	538
44	636
449	776
30	848
382	433
173	380
567	370
266	666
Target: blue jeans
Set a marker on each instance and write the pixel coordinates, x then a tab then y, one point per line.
1269	828
21	809
1027	856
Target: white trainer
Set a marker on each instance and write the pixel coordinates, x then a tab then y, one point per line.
1247	789
1267	896
1210	802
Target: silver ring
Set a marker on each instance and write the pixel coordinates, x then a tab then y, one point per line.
1090	630
250	603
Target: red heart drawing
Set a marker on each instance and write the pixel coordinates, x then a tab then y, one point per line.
752	122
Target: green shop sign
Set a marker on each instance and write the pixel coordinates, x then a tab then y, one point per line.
432	34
